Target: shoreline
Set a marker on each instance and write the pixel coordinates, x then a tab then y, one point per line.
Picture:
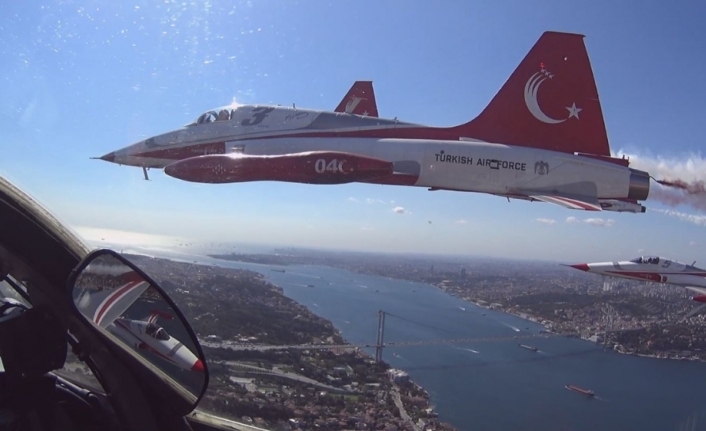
618	348
262	273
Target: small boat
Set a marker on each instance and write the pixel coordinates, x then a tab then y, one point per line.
587	392
309	285
525	346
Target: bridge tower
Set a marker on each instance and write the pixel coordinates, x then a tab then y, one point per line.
609	316
379	344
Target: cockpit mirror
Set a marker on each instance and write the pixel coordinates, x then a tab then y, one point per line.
127	306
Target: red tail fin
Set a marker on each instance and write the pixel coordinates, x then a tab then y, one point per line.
359	100
549	102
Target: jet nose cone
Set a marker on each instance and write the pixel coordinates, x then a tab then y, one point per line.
110	157
198	366
581	266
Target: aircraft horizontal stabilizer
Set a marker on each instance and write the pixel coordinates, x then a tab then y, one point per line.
586	203
695	311
622	206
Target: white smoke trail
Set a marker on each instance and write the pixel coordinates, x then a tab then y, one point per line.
682	180
699	220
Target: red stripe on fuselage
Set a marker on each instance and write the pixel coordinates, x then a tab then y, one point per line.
651	276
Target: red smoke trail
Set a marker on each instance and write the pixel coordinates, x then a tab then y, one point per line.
678	192
695	188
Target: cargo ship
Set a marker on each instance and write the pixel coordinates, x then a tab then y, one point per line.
586	392
525	346
278	270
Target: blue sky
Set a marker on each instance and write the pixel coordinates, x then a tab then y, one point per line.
82	79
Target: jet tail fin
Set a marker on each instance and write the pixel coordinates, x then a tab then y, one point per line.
550	102
359	100
156	314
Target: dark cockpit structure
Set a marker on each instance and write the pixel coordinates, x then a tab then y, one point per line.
223	114
646	260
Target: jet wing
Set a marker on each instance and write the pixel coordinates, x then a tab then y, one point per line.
105	306
699	290
359	100
574	202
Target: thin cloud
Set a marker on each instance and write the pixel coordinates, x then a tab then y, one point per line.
400	210
370	201
600	222
692	243
353	200
593	221
697	219
548	221
461	221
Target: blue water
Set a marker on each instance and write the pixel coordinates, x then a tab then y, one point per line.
502	386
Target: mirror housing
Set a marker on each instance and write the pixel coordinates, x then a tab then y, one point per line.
142	326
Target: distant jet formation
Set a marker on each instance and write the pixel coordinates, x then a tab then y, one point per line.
654	269
541	138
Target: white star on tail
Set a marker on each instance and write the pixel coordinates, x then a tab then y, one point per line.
574	111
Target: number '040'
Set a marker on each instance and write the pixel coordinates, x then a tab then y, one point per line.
333	166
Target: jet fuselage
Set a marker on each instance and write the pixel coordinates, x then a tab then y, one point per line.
451	163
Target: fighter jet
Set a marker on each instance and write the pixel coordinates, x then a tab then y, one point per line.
106	308
654	269
541	138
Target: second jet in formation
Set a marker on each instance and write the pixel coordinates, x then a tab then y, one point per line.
653	269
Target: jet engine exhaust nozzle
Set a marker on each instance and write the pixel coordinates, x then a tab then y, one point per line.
639	185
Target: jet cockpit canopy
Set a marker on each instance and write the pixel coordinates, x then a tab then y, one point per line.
647	260
156	331
224	113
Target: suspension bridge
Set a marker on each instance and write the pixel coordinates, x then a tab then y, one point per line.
380	343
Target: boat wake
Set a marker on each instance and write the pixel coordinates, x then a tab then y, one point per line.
514	328
466	350
304	275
